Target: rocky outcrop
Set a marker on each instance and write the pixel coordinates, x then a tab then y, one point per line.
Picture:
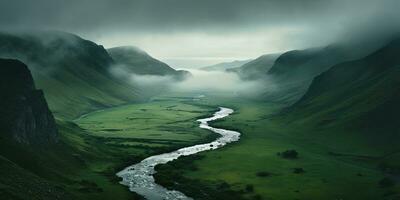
24	113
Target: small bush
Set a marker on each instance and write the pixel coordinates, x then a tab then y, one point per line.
289	154
223	186
263	174
298	170
249	188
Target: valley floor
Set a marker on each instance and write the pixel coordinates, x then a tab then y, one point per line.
96	146
331	163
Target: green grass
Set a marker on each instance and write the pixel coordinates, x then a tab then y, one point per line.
159	122
337	162
128	134
91	151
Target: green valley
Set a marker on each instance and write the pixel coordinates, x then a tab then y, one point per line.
199	100
252	168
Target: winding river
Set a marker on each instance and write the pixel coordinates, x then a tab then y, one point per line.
139	177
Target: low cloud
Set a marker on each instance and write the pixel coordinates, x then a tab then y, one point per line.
154	82
200	81
215	81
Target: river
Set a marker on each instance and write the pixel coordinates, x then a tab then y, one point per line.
139	177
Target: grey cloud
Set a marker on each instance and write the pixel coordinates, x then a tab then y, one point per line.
207	28
172	15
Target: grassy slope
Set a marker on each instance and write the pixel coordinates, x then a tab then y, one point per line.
327	175
359	95
73	72
293	71
345	129
84	164
139	62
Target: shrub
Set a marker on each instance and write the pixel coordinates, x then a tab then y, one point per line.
249	188
298	170
289	154
263	174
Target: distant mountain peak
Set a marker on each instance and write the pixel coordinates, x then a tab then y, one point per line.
226	65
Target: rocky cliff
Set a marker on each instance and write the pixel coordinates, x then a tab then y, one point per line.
24	113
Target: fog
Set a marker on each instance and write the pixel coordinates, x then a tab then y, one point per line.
139	79
200	81
219	81
192	33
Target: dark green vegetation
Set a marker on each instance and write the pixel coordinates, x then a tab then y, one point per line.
360	95
66	66
89	151
331	163
344	130
134	60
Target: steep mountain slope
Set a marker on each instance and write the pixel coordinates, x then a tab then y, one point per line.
361	95
293	71
73	72
44	159
256	68
24	114
25	122
136	61
225	65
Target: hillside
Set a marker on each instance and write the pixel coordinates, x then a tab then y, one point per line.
361	95
73	72
256	68
293	71
136	61
225	65
45	159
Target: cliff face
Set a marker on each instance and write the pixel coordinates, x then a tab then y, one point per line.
24	113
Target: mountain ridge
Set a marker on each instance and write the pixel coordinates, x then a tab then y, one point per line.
135	60
361	94
73	72
225	65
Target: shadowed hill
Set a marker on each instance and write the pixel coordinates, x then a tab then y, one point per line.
293	71
73	72
362	95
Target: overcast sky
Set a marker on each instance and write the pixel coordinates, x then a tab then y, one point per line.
187	33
